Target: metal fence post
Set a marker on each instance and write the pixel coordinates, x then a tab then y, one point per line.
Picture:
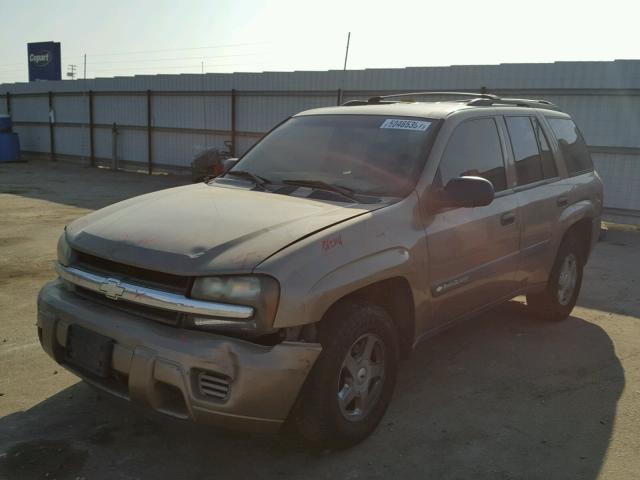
114	147
339	97
233	123
149	151
8	103
52	144
92	153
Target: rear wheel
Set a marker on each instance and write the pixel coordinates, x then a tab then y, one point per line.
351	384
563	287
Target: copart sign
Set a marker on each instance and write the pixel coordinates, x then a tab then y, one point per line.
44	61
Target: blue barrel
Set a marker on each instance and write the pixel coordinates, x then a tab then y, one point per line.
9	147
5	123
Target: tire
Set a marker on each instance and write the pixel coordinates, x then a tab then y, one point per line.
364	382
558	300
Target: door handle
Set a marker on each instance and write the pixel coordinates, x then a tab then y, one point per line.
507	218
562	200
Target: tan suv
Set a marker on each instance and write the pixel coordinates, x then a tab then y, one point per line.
290	287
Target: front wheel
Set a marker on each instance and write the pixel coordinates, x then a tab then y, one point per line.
563	287
350	387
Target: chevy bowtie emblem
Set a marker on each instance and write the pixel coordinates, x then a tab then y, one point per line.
112	289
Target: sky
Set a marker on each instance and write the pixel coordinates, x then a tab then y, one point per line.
122	38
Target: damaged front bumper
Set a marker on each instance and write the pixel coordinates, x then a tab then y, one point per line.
187	374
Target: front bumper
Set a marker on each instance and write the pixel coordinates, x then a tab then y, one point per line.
159	366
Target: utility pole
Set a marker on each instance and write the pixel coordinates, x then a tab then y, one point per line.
204	108
71	73
346	55
85	66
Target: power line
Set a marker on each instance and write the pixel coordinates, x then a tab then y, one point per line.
136	52
173	58
160	67
173	49
136	61
194	67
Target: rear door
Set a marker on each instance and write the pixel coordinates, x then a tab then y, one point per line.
541	195
473	252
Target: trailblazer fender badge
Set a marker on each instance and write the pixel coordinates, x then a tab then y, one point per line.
448	286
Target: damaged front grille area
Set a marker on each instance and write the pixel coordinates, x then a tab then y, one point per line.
142	276
156	314
158	304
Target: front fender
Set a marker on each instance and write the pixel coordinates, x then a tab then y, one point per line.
379	266
319	270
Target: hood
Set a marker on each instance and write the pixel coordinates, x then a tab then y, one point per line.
203	229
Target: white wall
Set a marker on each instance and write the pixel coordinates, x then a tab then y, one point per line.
603	98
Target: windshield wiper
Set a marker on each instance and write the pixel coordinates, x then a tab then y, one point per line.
257	179
319	184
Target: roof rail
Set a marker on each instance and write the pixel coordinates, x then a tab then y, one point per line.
517	102
475	99
381	98
353	103
527	102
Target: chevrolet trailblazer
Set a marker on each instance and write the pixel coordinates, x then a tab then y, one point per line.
290	287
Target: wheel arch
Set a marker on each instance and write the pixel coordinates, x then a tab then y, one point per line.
581	230
395	296
578	220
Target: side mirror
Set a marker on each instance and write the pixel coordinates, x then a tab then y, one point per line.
467	192
228	163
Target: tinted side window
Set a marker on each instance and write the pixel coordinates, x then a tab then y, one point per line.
572	145
525	150
474	149
549	169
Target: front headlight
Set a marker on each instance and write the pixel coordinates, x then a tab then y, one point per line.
66	255
258	291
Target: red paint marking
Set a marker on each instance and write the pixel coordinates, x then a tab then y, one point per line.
330	243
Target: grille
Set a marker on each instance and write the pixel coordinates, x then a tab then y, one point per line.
213	385
152	313
142	276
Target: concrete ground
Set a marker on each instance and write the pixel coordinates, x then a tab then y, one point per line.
503	396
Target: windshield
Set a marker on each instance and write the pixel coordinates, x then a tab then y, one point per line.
366	154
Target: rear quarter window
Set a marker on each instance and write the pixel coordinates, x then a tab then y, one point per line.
572	145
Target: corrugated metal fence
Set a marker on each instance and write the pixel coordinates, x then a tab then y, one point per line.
161	122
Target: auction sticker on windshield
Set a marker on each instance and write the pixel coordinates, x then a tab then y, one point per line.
399	124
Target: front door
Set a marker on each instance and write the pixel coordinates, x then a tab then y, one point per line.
473	252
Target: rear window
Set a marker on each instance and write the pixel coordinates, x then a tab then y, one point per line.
533	157
572	145
549	168
525	150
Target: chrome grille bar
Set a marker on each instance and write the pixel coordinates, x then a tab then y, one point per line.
116	289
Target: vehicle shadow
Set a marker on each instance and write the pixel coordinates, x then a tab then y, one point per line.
503	396
613	275
79	185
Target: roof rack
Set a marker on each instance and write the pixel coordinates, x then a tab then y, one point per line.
480	99
381	98
519	102
353	103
